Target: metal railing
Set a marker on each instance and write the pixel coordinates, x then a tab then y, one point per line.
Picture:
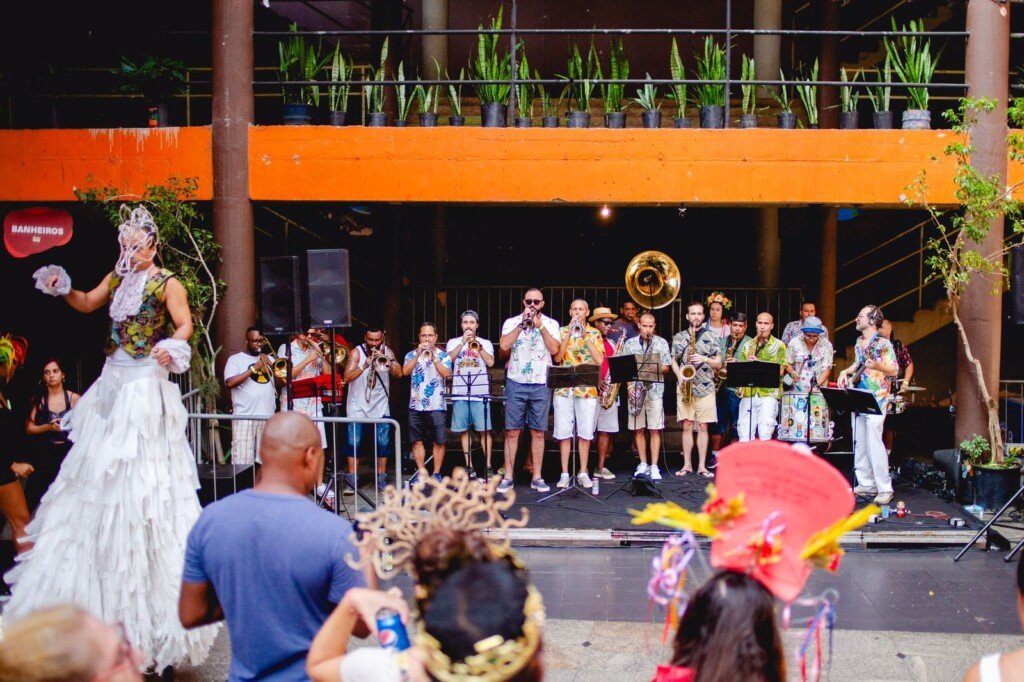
1011	410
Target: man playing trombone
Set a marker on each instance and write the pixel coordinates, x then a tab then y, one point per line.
249	376
471	388
428	366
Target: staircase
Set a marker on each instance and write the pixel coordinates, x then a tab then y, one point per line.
925	322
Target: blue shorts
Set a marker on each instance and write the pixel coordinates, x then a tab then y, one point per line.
427	427
355	435
466	411
527	405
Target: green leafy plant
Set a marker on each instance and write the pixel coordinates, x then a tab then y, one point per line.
156	79
677	91
614	94
912	60
300	60
581	76
491	64
808	93
403	98
710	67
747	87
548	107
341	70
848	95
455	92
428	98
373	91
878	94
782	97
524	90
647	96
977	452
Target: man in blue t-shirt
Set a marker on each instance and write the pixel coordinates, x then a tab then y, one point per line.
269	561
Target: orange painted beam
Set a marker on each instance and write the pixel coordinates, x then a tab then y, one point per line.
46	165
593	166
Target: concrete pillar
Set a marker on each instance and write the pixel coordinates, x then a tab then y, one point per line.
987	64
827	286
767	48
435	17
828	66
232	210
769	248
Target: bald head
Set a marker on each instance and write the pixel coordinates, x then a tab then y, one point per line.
286	439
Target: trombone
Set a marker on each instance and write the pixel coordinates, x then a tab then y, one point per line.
279	367
323	347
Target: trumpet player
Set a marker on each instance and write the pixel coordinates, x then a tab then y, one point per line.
428	366
608	407
759	407
249	376
646	405
696	357
471	388
307	362
368	372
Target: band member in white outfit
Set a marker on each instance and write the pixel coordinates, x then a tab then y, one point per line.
472	356
250	378
759	407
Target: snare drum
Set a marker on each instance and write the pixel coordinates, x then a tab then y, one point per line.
898	404
793	419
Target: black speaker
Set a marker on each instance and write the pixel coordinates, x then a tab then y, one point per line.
328	289
1017	284
642	485
280	300
842	462
218	481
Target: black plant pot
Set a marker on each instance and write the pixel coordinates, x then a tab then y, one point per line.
681	122
549	122
428	119
748	120
917	119
814	126
338	118
787	120
456	121
298	114
578	119
377	119
615	119
882	120
849	120
712	116
400	123
523	122
492	115
651	119
994	487
159	116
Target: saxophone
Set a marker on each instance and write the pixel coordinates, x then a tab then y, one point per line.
687	372
609	392
637	390
723	371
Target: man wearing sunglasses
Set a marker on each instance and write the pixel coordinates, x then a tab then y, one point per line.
530	339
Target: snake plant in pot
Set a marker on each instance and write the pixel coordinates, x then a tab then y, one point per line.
787	119
879	96
495	65
428	97
677	91
403	99
808	93
748	119
848	99
524	95
373	91
913	62
338	93
614	94
647	98
300	60
580	85
548	107
455	98
710	97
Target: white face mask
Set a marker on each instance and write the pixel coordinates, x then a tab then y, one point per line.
136	230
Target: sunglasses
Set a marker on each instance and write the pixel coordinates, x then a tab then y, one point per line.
533	301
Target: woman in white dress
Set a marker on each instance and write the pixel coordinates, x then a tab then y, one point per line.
109	534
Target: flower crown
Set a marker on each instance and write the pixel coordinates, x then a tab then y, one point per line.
13	350
719	297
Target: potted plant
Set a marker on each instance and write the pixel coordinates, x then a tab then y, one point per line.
524	95
455	98
428	97
677	91
647	98
614	94
787	119
912	59
748	119
491	64
548	108
808	93
848	99
300	60
880	95
373	91
581	76
156	80
403	99
337	93
996	479
710	97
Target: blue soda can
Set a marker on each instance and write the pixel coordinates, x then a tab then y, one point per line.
391	631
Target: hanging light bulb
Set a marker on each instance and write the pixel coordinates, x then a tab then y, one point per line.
605	212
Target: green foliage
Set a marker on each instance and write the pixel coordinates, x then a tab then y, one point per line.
524	91
647	96
491	64
912	59
300	60
614	94
547	106
455	92
710	67
977	453
428	98
373	91
157	79
809	94
188	249
848	95
403	98
747	88
677	91
782	97
880	95
581	76
341	70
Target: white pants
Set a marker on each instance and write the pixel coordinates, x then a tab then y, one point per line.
569	410
608	420
870	460
757	418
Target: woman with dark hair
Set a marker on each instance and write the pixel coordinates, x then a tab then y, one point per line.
50	442
1003	667
728	632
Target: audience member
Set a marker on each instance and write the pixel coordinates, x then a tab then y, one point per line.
1003	667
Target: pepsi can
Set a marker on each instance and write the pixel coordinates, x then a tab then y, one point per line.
391	631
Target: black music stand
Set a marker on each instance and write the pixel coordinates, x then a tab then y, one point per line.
635	367
572	377
752	374
851	401
466	384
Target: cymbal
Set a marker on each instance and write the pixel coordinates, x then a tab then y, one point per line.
914	389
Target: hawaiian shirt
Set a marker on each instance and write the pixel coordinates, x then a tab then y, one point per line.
529	359
707	344
577	352
725	343
872	379
772	351
795	329
427	391
659	346
809	364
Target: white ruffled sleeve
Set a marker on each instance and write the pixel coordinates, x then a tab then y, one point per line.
180	352
44	273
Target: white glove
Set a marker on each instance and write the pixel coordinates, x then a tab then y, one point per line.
47	272
180	352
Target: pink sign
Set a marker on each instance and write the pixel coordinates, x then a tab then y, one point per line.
33	230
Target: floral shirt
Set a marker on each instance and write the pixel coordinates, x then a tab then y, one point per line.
138	334
708	345
903	360
872	379
773	350
529	358
427	391
577	352
809	364
658	346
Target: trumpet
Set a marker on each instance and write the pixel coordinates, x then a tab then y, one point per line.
528	321
379	362
576	329
474	346
427	354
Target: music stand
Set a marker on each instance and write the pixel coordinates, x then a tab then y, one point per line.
752	374
571	377
851	401
635	367
466	382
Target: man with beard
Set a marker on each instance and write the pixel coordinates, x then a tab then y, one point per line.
249	377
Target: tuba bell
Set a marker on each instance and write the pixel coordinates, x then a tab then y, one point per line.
652	279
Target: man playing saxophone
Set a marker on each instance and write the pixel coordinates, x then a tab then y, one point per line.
727	398
471	388
696	358
759	407
608	393
646	405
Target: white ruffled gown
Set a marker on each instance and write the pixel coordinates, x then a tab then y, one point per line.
110	533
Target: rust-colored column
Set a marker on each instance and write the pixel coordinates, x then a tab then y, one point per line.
827	286
987	66
769	248
232	210
828	66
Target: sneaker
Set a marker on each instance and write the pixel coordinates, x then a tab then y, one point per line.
883	498
382	481
470	473
506	485
415	480
350	485
641	468
864	490
537	484
655	473
604	473
563	481
437	477
584	480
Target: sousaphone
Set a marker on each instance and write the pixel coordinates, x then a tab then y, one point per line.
652	279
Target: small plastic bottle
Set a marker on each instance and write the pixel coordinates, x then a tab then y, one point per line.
595	486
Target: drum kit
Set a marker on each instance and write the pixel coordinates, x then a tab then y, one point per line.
803	423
